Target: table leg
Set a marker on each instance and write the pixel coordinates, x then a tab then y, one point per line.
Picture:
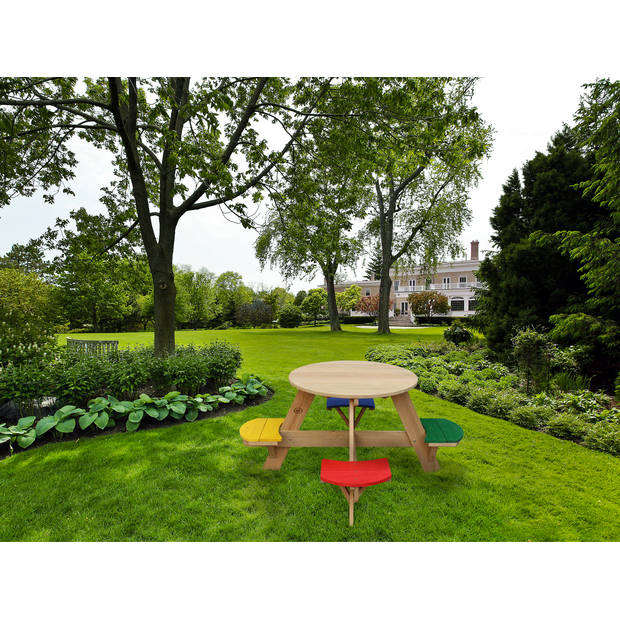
415	431
292	422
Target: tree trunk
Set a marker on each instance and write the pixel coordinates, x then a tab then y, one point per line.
334	319
383	324
164	293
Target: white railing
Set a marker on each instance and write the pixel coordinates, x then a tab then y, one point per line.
439	287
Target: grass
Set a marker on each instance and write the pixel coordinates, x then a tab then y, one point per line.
199	482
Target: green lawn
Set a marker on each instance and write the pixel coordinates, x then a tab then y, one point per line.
197	481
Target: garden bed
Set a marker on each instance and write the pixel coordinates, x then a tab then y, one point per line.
466	376
220	406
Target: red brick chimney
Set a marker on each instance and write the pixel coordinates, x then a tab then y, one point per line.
474	250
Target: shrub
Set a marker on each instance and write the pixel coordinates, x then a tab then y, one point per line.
427	383
74	377
533	352
290	316
254	314
480	399
457	334
503	404
531	416
26	318
357	320
566	426
454	391
604	436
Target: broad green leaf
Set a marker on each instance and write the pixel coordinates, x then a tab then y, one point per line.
175	415
191	415
122	407
98	407
102	420
145	398
27	439
4	438
178	407
162	413
171	395
136	416
66	426
132	426
111	423
24	423
229	395
44	424
87	419
152	411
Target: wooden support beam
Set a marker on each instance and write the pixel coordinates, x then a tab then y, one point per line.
340	439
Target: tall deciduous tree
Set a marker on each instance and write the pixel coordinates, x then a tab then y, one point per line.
424	157
176	146
316	200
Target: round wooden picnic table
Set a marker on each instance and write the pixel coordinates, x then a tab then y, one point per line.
353	379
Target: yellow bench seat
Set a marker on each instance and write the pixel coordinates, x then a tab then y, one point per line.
261	432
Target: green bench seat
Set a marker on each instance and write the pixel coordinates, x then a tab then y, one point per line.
441	432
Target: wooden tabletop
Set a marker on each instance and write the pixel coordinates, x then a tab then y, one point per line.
353	379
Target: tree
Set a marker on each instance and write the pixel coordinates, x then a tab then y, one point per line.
369	305
317	198
423	163
527	280
277	298
27	314
254	314
92	290
597	250
373	269
428	303
177	147
301	295
349	298
230	293
29	258
200	296
315	303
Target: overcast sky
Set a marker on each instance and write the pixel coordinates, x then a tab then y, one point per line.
524	111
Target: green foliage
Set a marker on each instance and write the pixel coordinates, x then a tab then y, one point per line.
533	352
470	378
457	334
290	316
529	280
531	416
74	377
301	295
566	426
254	314
26	318
315	303
428	303
604	436
104	413
598	343
349	298
454	391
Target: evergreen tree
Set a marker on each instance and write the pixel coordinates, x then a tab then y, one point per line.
529	281
373	269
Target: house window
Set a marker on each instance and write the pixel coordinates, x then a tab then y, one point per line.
462	281
412	283
396	284
472	304
367	292
457	304
446	282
